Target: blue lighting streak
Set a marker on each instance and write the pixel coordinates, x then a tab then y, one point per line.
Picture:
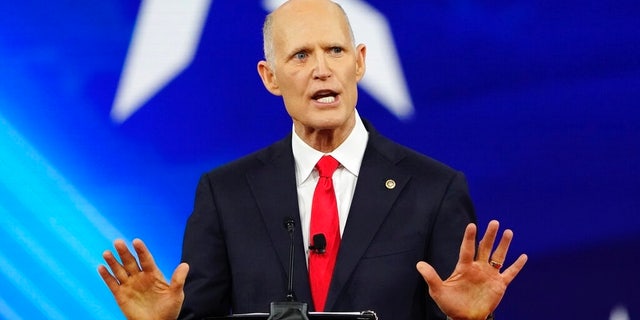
29	289
54	236
7	312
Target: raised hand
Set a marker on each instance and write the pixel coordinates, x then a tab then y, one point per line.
476	286
141	291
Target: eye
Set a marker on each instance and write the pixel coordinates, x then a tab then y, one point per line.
336	50
300	55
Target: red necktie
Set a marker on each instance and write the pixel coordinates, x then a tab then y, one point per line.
324	220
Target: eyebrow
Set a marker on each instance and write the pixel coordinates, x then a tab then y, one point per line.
298	49
306	47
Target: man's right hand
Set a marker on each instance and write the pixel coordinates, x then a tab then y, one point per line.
141	290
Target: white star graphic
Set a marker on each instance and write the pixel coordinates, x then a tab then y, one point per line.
174	28
164	42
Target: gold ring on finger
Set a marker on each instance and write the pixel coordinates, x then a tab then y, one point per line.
495	264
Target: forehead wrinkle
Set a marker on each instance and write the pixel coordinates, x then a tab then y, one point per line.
310	36
280	27
321	44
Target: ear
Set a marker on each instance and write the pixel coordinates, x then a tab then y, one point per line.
361	66
268	78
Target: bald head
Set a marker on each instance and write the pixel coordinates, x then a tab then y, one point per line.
314	65
298	8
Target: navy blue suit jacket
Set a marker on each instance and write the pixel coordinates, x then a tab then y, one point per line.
238	249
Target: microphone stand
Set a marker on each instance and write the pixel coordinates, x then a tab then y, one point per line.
292	309
289	309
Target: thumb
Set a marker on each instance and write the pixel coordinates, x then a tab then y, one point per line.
429	275
179	276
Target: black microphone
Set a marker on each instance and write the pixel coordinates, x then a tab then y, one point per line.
319	243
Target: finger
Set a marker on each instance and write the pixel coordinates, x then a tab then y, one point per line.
116	268
486	244
129	262
430	276
179	276
510	273
500	254
108	279
147	263
468	245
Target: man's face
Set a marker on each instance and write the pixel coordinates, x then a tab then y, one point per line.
316	68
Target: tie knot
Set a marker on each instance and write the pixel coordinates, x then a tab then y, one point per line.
326	166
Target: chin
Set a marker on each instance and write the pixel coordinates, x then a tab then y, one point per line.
330	123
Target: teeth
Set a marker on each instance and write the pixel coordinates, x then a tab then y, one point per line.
327	99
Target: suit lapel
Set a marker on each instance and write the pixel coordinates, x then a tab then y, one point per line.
274	188
379	184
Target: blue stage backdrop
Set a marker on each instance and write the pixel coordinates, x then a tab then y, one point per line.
111	110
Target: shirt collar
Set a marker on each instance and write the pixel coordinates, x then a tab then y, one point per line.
349	153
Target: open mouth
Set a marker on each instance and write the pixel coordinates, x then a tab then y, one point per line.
325	96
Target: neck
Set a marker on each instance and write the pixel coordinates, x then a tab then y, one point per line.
325	140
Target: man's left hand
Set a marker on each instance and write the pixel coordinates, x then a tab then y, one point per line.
476	286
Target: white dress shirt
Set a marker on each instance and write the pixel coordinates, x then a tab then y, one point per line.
349	154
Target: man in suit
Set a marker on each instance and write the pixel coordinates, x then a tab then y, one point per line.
395	207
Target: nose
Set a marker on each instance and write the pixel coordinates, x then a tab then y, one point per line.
322	70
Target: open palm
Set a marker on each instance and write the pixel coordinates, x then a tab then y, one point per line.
141	290
476	286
